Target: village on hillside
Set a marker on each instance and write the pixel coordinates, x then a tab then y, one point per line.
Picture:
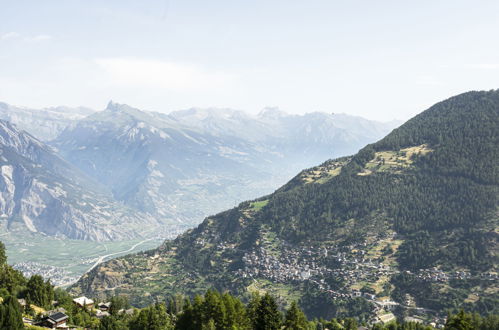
363	270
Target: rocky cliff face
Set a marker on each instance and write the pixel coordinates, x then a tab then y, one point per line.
40	192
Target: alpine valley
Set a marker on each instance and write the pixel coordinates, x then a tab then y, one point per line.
183	166
93	184
406	226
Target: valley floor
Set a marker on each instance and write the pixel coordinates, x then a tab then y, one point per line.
64	261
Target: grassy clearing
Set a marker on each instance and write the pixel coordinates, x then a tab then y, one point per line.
472	298
38	310
257	206
323	173
271	243
330	174
376	251
357	286
378	285
283	292
394	161
34	327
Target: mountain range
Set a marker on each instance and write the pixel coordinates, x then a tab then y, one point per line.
170	170
408	222
40	192
187	164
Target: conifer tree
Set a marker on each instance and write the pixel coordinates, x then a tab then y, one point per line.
460	321
3	256
252	306
110	323
39	292
236	315
268	316
350	324
10	314
214	309
184	320
295	318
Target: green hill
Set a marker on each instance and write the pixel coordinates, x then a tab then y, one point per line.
411	220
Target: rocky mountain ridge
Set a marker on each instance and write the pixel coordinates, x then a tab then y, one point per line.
40	192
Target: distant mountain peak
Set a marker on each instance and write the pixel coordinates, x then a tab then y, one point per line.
119	114
271	112
120	107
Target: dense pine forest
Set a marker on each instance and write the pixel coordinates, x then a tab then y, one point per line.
443	202
213	310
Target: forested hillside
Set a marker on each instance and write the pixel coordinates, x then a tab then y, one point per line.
409	222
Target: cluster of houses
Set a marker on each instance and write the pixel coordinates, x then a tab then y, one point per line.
57	275
314	265
436	275
350	264
58	319
260	263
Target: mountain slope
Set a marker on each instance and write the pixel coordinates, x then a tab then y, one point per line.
185	165
40	192
45	124
413	217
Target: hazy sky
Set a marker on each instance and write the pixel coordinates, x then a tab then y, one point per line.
378	59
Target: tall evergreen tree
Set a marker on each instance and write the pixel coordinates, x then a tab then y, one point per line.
214	309
350	324
110	323
185	319
118	303
39	292
460	321
3	255
295	318
10	314
268	316
253	306
236	315
153	317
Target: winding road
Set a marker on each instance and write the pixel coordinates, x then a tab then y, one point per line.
102	258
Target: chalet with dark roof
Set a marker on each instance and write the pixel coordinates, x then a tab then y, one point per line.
55	321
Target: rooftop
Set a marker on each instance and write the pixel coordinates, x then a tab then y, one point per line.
58	317
83	301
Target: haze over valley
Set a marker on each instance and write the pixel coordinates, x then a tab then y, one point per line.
122	174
